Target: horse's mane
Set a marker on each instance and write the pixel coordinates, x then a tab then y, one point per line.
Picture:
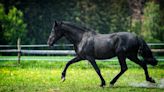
80	27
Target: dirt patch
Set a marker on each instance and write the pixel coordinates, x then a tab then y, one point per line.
145	84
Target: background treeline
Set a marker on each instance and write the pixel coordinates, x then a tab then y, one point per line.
32	20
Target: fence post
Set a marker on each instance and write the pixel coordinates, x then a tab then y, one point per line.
19	50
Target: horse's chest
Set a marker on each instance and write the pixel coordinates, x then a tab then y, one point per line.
85	47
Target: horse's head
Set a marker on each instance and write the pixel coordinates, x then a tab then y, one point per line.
149	58
55	34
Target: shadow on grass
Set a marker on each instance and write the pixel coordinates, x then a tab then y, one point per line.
121	89
125	88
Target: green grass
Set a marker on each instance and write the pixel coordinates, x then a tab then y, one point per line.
52	58
44	76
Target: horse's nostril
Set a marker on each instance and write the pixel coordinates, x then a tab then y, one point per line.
49	43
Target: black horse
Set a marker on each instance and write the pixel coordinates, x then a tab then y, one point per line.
90	45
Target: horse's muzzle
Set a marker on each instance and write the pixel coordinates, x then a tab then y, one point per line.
50	44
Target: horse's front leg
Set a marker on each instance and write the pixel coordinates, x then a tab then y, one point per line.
74	60
92	61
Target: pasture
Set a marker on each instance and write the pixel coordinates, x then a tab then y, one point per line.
45	76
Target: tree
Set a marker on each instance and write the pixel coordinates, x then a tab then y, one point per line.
2	16
104	16
150	26
13	26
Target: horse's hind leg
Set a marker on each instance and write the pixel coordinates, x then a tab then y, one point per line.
122	61
135	59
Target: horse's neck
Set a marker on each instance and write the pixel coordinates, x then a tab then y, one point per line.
72	34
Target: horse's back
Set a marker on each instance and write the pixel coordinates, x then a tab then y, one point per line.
106	45
122	38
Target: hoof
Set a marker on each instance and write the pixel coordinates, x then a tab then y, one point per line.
63	79
150	80
102	85
111	85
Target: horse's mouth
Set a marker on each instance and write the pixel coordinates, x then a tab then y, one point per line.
50	44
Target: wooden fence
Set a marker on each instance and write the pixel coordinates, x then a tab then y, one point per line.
19	49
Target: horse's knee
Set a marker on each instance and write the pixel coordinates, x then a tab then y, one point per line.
124	69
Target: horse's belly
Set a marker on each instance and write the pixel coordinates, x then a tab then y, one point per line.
104	54
103	49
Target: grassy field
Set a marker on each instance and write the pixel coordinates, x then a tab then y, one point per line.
53	58
44	76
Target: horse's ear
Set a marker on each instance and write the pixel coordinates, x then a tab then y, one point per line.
56	24
60	23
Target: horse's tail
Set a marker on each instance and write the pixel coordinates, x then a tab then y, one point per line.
146	53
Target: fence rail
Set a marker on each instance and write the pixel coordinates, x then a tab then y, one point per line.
57	52
58	45
41	52
40	45
18	49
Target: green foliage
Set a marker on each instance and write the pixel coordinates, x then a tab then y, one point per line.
150	26
103	16
13	26
119	16
136	27
2	14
